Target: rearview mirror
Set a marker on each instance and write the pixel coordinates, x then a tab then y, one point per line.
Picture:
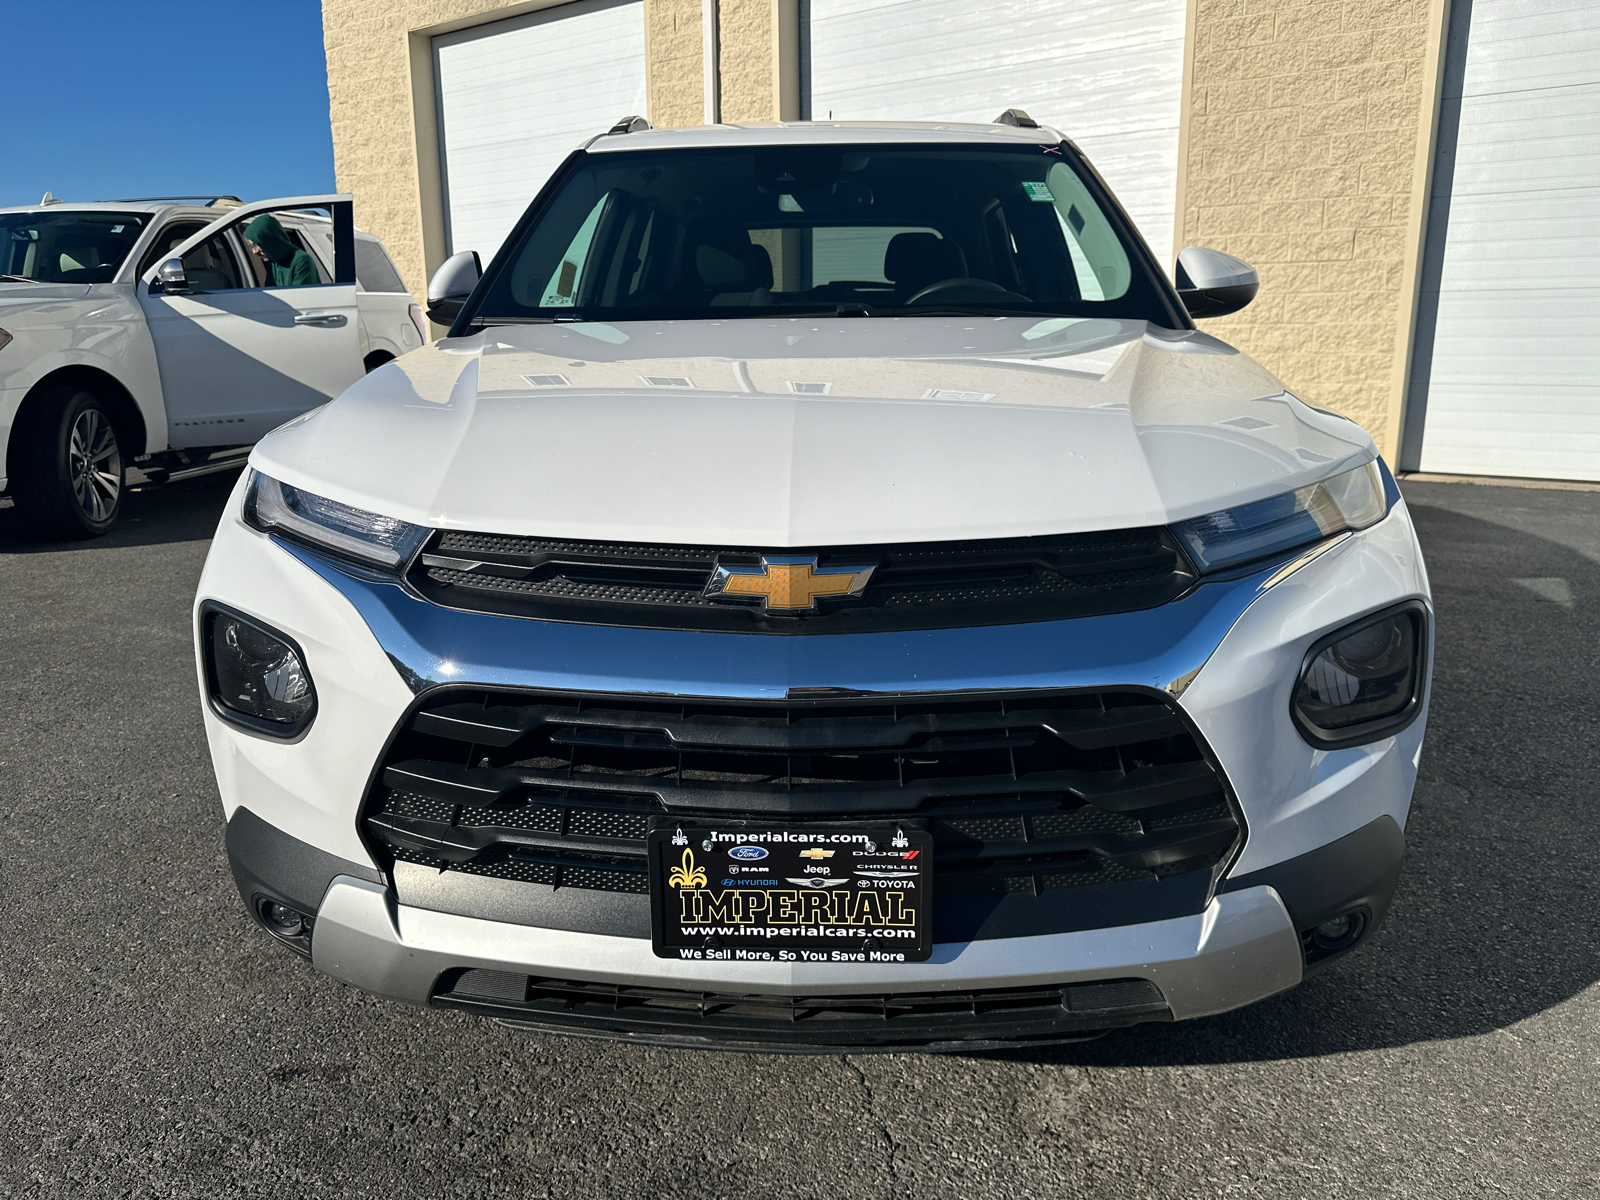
451	284
172	278
1214	284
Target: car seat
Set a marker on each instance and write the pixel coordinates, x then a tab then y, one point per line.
914	260
729	270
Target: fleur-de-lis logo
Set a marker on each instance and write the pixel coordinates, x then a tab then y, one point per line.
686	874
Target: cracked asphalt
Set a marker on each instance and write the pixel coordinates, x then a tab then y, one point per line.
156	1045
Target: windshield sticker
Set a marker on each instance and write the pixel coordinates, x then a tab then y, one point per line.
1038	191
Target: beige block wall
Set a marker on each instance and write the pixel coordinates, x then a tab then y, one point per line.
1308	134
760	60
674	62
381	104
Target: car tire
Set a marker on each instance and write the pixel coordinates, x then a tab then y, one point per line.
66	470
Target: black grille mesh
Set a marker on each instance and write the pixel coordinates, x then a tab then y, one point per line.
914	585
1024	793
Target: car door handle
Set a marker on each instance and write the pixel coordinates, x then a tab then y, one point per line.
319	319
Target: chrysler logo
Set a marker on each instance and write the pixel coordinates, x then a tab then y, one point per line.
787	585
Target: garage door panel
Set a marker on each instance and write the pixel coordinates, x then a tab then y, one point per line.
1531	45
1108	75
1494	244
1478	441
1511	374
1525	141
516	97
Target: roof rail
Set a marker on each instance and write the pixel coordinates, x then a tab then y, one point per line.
630	125
1015	116
211	201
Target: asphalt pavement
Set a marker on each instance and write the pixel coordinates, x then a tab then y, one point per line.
154	1043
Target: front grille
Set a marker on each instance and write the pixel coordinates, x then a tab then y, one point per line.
921	585
1025	794
1021	1014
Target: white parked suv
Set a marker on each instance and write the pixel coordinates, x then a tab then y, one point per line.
824	593
153	333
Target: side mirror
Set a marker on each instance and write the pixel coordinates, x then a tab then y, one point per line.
172	278
1214	284
451	284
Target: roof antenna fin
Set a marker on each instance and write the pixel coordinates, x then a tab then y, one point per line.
1015	116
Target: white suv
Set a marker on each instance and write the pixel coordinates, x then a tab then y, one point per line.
149	333
824	593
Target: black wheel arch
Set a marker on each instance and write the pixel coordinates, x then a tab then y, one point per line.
126	417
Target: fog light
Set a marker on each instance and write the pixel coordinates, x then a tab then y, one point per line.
284	920
1338	933
257	676
1336	929
288	925
1364	681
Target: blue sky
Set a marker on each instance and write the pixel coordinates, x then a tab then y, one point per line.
160	97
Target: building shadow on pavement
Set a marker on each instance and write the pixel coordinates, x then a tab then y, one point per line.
1498	913
151	516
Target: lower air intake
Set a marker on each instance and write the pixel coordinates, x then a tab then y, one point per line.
895	1020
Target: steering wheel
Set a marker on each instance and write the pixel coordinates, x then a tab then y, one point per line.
986	291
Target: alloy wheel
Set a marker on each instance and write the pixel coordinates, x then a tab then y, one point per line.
95	463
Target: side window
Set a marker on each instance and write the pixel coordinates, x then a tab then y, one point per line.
1098	258
298	237
211	266
562	289
277	253
167	237
374	271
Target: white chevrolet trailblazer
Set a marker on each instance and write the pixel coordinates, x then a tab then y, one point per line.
154	333
824	593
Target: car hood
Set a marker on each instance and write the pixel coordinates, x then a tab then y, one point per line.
16	297
811	432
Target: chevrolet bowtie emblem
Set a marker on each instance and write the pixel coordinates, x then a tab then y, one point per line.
787	585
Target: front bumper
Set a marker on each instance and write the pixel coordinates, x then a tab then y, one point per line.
1246	946
1242	948
1229	654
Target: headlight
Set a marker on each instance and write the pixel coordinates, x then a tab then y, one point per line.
1364	681
255	675
373	539
1223	539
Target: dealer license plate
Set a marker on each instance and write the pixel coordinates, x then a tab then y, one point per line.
790	893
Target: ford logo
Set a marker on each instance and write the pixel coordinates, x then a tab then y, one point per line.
748	853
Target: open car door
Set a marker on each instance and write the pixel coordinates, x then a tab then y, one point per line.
247	335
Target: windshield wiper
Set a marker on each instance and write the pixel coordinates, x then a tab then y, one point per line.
18	279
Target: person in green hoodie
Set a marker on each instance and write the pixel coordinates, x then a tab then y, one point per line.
287	265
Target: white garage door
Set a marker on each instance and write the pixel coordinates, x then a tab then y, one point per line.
516	97
1107	73
1513	380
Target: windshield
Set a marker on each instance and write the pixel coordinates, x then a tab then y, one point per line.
853	230
66	247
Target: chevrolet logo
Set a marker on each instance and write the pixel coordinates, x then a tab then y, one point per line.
787	585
